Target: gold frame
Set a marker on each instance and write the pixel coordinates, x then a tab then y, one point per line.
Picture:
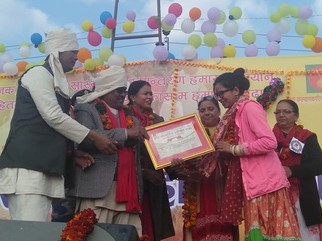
201	145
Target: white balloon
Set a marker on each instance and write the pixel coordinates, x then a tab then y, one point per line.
283	26
189	52
6	57
116	59
10	68
230	28
188	26
25	51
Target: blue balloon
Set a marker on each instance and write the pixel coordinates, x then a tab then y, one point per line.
104	16
36	39
171	56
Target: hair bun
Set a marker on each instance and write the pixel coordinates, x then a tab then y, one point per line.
239	72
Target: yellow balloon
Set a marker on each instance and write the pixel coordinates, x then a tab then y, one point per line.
87	25
106	32
89	64
308	41
210	39
41	48
128	26
194	40
165	26
105	53
229	51
275	17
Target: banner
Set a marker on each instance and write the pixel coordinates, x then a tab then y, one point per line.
178	85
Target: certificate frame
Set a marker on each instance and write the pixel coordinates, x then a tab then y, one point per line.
183	138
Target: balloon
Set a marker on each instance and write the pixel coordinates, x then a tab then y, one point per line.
213	14
165	26
222	18
10	68
294	12
229	51
116	59
160	53
251	50
25	51
311	29
230	28
104	53
36	39
284	9
236	12
2	48
188	26
171	56
305	12
6	57
272	48
170	19
308	41
89	64
83	54
131	15
176	9
249	36
104	16
210	39
274	35
189	52
195	13
106	32
94	38
21	65
194	40
128	26
283	26
98	62
221	42
217	52
41	48
275	17
78	64
110	23
301	26
317	48
208	27
153	22
87	25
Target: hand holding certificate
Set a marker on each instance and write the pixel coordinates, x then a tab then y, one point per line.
183	138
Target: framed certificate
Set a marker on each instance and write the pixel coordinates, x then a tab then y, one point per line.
184	138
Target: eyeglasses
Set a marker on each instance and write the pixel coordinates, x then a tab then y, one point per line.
220	94
284	112
121	90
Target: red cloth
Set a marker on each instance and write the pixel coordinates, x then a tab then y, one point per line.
126	187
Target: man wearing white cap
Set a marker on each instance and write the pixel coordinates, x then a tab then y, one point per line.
111	186
32	163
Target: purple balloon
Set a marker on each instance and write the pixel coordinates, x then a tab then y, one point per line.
305	12
213	14
221	42
272	48
217	52
170	19
251	50
208	27
131	15
274	35
160	53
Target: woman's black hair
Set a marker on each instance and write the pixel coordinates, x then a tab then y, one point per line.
209	98
234	79
135	87
292	103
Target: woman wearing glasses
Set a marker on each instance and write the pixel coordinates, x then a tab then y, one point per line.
301	157
245	146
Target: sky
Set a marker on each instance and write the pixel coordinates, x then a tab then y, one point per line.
19	19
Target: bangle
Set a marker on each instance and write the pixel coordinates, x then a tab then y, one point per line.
232	149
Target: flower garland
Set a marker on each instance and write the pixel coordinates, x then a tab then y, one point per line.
101	108
190	201
80	226
270	92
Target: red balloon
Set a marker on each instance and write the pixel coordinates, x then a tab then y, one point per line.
94	38
110	23
176	9
153	22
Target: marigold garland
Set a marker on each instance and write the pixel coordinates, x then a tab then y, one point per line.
271	92
80	226
190	202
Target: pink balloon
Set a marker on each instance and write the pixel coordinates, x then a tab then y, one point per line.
305	12
160	53
221	42
272	48
110	23
208	27
251	50
94	38
217	52
274	35
153	22
131	15
176	9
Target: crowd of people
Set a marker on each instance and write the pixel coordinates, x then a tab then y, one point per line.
92	155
